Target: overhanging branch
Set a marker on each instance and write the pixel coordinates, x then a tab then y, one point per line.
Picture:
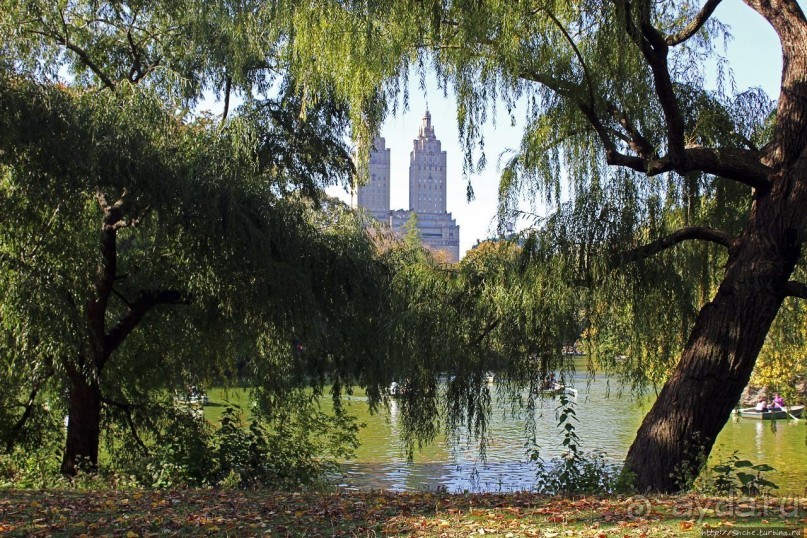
562	87
144	302
127	410
688	233
636	139
581	61
491	325
83	56
740	165
11	437
655	50
796	289
695	24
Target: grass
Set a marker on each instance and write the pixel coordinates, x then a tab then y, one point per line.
219	399
237	513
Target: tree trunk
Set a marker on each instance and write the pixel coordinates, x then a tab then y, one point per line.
678	433
83	426
696	402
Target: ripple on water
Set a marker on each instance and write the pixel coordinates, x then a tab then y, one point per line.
604	423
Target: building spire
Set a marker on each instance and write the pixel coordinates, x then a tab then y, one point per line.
426	129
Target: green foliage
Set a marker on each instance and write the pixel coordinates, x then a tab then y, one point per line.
255	277
296	448
579	80
576	471
221	259
692	464
735	476
278	287
781	366
31	468
214	216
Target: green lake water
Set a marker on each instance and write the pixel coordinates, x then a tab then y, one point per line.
606	422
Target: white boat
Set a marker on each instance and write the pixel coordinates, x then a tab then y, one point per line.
793	411
557	389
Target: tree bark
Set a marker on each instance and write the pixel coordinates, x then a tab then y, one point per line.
717	361
83	426
697	400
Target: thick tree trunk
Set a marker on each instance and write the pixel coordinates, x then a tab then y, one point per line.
83	426
719	357
694	405
697	400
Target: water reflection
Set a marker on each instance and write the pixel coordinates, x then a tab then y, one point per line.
604	423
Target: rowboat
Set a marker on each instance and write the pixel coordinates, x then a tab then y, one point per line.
794	411
556	389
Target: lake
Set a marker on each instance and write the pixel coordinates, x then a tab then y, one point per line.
606	422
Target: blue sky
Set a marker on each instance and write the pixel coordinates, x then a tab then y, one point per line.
754	57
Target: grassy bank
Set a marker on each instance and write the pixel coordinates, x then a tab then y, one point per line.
234	513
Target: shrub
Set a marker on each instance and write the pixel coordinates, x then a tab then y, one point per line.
576	472
734	476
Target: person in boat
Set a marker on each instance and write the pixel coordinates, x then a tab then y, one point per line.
552	381
762	405
778	401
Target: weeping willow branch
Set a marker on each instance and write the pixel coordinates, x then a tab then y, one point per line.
796	289
694	25
655	50
45	233
491	325
577	53
688	233
228	85
29	407
127	410
740	165
612	155
83	56
145	301
636	140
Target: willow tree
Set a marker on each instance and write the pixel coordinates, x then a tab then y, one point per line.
149	246
141	254
617	100
145	247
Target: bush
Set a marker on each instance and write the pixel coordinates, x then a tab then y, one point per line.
296	445
735	476
285	452
576	472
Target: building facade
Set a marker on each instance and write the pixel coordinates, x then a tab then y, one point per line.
427	171
427	192
374	196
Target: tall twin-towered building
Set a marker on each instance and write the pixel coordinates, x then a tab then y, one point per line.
427	192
